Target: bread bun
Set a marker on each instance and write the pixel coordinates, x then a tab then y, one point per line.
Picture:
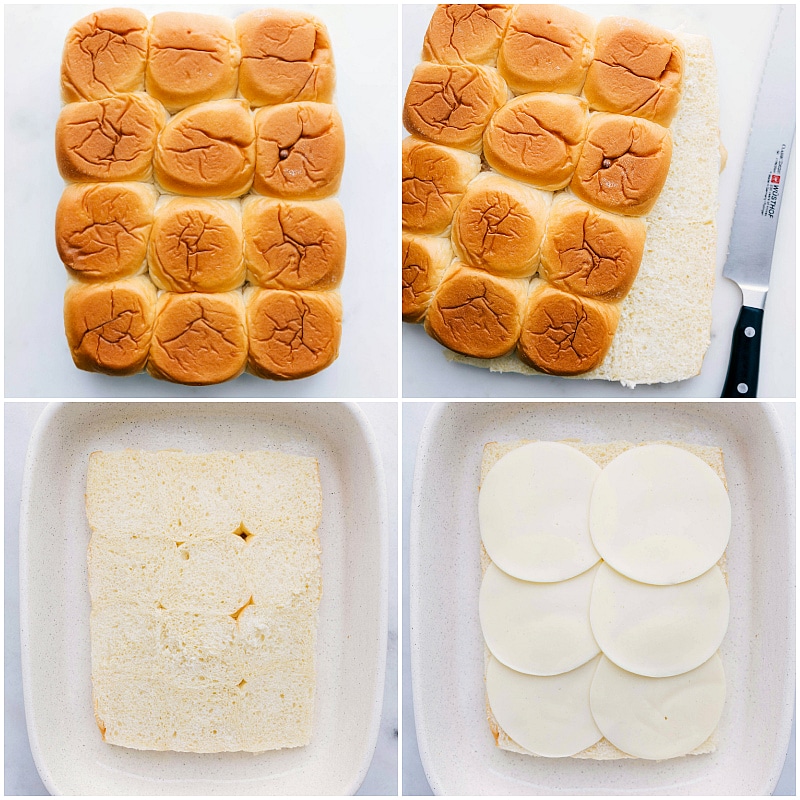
434	181
104	54
623	165
537	138
102	229
208	151
109	140
425	259
199	339
637	69
452	105
292	334
546	48
286	57
563	334
475	313
193	58
109	325
294	245
499	226
196	246
465	33
590	252
300	151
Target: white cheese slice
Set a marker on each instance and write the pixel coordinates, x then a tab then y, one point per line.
537	628
659	630
548	716
659	514
534	512
657	718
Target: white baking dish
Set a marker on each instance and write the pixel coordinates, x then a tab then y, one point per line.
455	744
54	599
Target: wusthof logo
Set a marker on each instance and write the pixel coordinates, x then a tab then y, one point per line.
775	179
773	188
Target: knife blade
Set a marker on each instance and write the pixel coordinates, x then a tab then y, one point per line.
758	203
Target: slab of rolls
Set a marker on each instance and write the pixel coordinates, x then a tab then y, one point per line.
199	225
539	142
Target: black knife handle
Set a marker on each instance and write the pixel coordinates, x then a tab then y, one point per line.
742	377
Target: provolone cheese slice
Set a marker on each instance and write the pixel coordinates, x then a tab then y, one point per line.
658	718
660	515
548	716
537	628
534	512
659	630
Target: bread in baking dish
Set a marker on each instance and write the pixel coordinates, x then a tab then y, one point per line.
425	259
464	33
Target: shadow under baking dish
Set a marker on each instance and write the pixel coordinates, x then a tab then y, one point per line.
54	598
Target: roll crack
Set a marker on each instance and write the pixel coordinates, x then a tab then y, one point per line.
465	33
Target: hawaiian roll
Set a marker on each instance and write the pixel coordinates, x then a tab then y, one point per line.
193	58
564	334
637	69
292	334
109	325
425	259
499	226
199	339
208	150
475	313
197	246
294	244
537	138
547	48
434	181
462	33
102	229
299	150
590	252
104	54
452	104
286	57
109	140
623	165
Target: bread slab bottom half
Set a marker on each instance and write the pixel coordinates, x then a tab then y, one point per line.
665	321
601	454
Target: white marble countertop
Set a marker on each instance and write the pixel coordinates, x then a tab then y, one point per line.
21	777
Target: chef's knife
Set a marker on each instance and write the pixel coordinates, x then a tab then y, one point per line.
759	202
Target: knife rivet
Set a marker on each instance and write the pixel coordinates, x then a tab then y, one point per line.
742	388
749	332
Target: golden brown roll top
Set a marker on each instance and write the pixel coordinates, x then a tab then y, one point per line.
109	140
475	313
300	150
463	33
109	325
590	252
193	58
104	54
208	150
547	48
452	104
623	165
286	57
102	229
199	339
196	246
499	226
425	259
434	181
292	334
294	244
537	138
564	334
637	69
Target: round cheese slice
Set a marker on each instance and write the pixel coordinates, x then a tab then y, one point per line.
534	512
537	628
659	630
660	515
547	716
658	718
